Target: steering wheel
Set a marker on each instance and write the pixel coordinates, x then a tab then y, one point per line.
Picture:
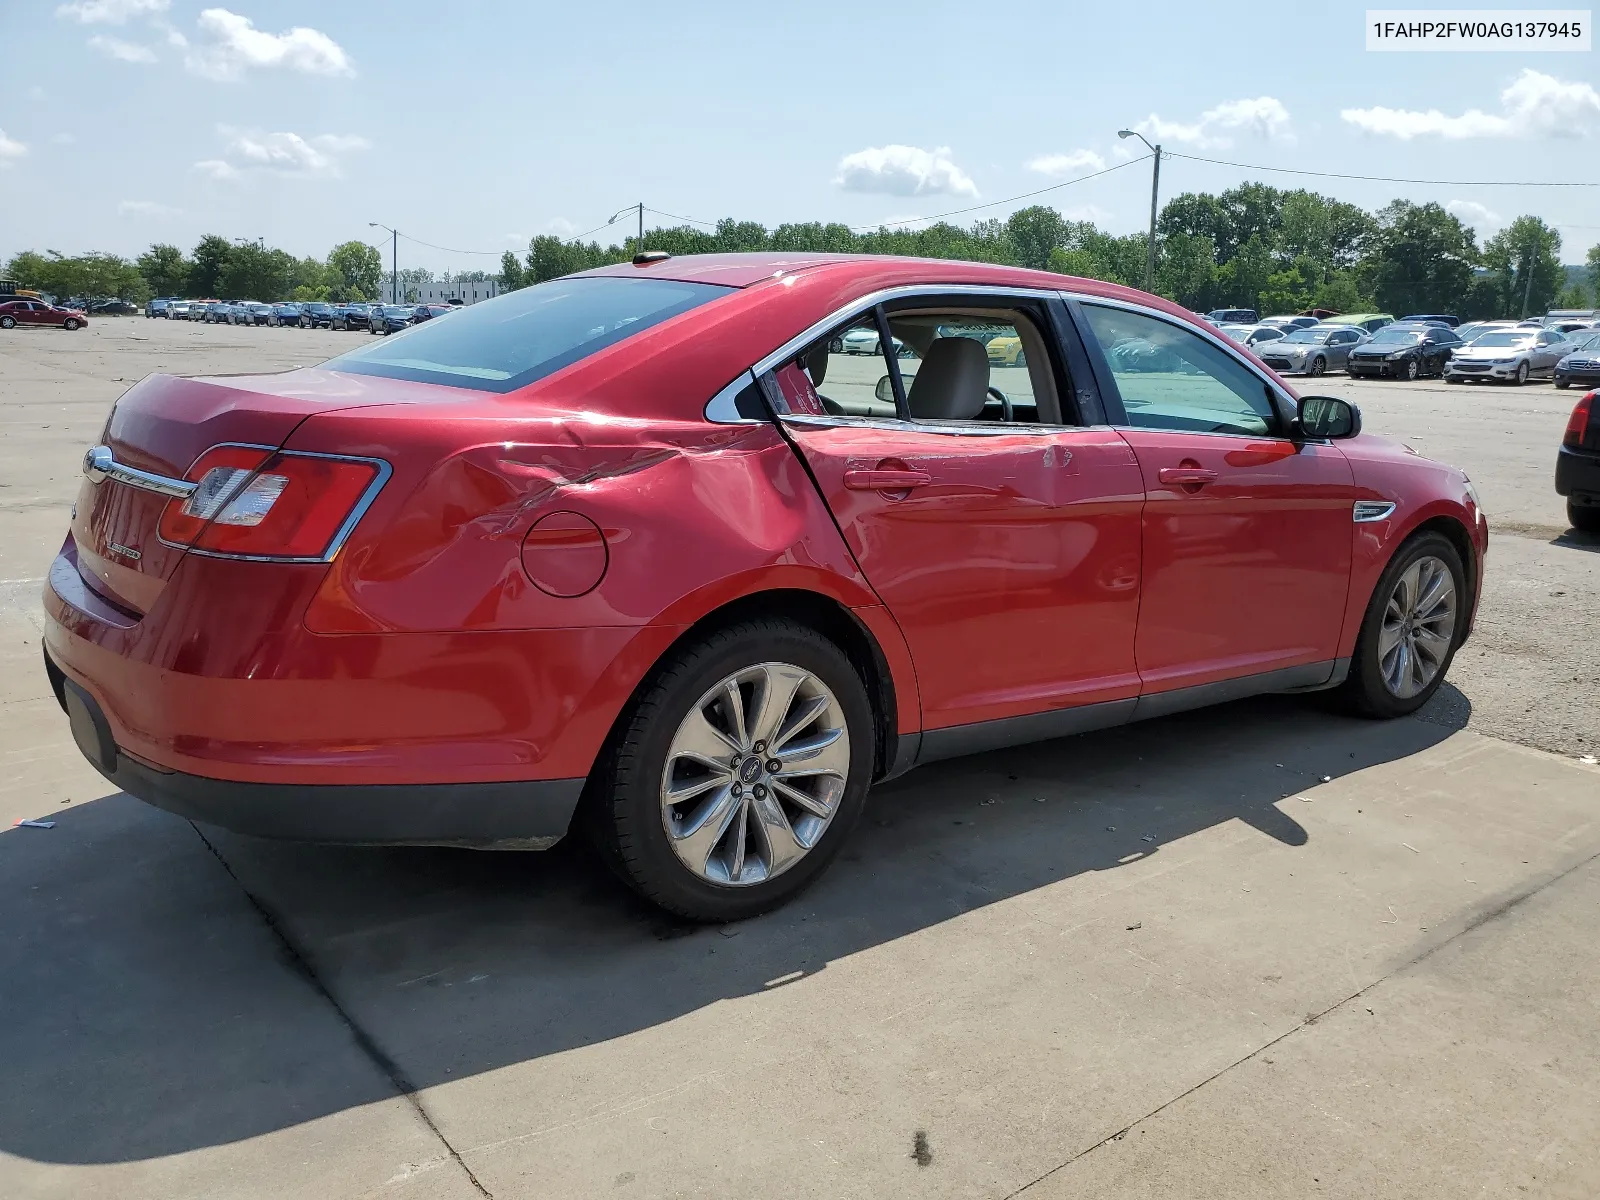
1005	403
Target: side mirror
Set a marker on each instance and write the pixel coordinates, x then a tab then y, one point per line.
885	389
1328	417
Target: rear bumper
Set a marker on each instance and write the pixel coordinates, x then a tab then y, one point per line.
510	816
1578	476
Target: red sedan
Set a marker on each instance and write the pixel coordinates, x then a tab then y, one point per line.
37	312
635	551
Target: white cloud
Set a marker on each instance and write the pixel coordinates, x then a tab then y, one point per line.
1474	214
174	38
1532	105
131	52
10	150
904	171
1263	116
146	208
110	12
217	169
236	46
559	226
1072	163
281	153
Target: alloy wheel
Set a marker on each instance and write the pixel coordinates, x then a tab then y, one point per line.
754	774
1411	368
1318	365
1419	623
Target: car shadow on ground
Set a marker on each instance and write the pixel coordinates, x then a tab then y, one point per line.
1574	539
143	1014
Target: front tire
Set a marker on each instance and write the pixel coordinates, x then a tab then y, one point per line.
8	322
1319	366
1521	376
70	324
686	809
1412	370
1411	629
1584	518
1563	384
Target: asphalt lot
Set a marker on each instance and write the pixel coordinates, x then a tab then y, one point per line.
1255	951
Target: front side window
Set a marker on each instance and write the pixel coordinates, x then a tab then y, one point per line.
1171	378
511	341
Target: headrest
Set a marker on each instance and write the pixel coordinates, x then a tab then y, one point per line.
953	381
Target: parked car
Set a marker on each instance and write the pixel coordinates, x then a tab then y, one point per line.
390	318
1474	329
427	312
212	312
1006	351
865	341
158	306
1568	325
350	316
1253	335
1578	465
1508	356
37	312
285	312
314	314
1314	351
1446	319
112	308
1567	316
253	312
1234	316
1403	351
1371	322
867	595
178	310
1581	363
1290	321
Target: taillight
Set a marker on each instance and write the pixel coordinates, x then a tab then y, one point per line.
1578	423
257	503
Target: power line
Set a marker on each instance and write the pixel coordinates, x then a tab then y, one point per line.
1383	178
449	249
956	212
676	217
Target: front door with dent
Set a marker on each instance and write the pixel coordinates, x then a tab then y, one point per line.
1003	539
1247	533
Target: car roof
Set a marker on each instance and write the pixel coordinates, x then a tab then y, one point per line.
747	270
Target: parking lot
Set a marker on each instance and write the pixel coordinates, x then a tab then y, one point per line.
1260	950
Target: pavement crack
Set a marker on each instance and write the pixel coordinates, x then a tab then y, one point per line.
1485	916
363	1040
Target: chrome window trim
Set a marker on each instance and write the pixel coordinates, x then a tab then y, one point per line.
945	428
853	310
723	408
100	464
1220	341
1366	512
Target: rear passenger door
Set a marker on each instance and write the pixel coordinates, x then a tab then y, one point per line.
989	506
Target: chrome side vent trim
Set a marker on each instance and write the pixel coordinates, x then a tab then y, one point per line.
1368	511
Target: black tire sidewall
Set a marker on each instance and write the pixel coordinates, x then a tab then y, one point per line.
8	323
1365	687
627	802
1583	518
1318	365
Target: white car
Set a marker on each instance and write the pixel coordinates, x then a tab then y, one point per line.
865	341
1254	335
1508	356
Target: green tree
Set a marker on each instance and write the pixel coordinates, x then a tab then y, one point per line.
1592	262
29	268
510	272
1574	295
255	272
1525	258
1034	232
1421	259
165	269
208	259
354	270
1242	279
1186	270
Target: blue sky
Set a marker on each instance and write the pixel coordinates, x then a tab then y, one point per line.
475	125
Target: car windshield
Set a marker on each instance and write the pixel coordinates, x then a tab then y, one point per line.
1503	337
1396	337
1308	335
1589	341
510	341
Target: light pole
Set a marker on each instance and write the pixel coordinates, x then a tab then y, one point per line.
1155	187
639	245
394	260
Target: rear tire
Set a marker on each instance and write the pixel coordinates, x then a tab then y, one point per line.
630	816
1583	517
1370	689
8	322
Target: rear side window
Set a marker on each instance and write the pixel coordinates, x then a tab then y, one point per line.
511	341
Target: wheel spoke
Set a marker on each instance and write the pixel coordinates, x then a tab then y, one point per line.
782	847
800	716
1389	635
772	700
733	701
1438	590
700	835
741	829
677	794
814	805
700	740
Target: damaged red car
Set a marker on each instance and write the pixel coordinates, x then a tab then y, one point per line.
646	551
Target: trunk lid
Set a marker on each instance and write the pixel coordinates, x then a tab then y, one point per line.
162	425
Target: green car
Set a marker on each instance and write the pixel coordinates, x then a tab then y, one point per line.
1371	322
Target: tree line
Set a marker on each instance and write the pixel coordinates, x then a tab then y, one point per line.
1252	246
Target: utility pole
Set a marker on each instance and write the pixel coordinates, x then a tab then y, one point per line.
1155	189
394	260
638	245
641	225
1527	290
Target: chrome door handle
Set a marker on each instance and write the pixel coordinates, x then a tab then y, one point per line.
885	479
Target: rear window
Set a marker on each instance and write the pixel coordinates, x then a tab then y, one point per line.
511	341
